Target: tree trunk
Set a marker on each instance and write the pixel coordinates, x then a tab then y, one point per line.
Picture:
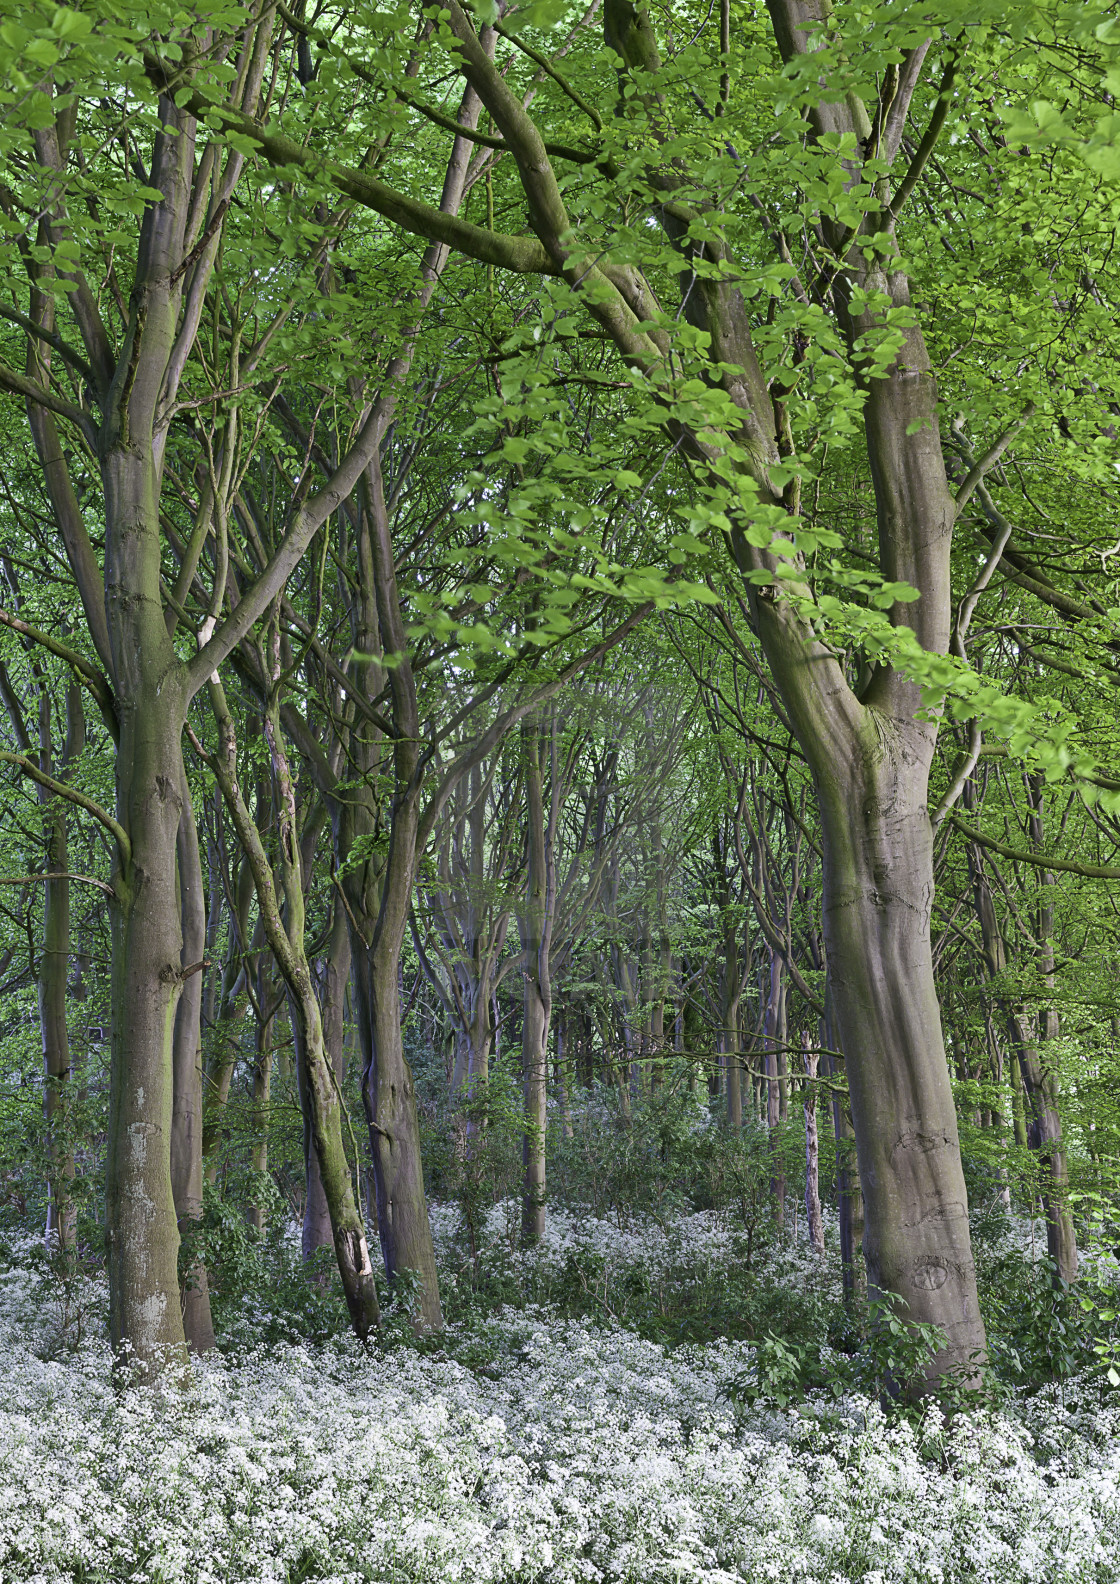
535	925
1018	1107
565	1075
812	1185
186	1116
1044	1137
774	1036
731	1036
390	1104
916	1237
232	1005
1034	1084
145	1318
534	1068
324	1118
264	1031
849	1197
54	961
1040	1077
336	973
388	1092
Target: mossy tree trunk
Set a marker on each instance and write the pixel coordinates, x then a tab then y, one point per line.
280	898
334	975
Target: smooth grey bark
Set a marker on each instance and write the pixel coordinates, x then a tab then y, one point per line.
916	1242
388	1091
143	702
146	1323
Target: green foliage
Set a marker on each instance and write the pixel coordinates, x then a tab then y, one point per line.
1043	1331
784	1371
476	1162
260	1285
891	1357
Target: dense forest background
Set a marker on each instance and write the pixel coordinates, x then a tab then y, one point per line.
558	648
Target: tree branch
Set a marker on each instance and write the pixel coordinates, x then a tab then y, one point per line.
24	880
930	136
52	339
549	70
979	470
94	680
523	255
60	789
20	385
1040	860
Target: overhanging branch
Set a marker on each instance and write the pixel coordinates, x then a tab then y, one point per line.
1039	860
523	255
61	789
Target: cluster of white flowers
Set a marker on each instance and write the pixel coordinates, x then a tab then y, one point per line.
534	1449
698	1244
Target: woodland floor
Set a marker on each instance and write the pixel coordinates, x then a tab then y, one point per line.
539	1439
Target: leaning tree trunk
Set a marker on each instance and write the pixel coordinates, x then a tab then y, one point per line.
283	924
336	972
324	1113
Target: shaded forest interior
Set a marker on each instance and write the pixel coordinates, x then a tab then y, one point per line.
558	651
